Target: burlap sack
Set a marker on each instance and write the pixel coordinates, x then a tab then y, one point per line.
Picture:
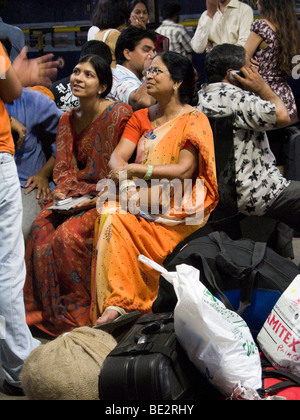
68	367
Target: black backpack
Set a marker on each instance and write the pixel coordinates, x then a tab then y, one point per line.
247	276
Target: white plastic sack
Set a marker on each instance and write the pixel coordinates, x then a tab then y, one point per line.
279	338
217	340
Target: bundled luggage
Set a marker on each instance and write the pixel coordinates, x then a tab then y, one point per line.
247	276
155	359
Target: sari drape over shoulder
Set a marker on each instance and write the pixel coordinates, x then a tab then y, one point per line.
118	278
59	248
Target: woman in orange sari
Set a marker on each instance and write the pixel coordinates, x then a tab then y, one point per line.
173	141
59	247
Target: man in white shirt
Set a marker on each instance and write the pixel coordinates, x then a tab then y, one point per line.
135	50
179	38
224	21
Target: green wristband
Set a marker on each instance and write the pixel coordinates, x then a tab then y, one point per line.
127	185
148	173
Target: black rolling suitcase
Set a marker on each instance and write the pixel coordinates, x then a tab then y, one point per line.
149	364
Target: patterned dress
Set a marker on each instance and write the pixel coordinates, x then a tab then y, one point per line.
268	67
59	247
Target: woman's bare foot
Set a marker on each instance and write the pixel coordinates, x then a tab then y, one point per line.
108	316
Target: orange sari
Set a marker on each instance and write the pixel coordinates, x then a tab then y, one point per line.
119	280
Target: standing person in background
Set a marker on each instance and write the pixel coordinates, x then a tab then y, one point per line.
139	16
16	341
273	42
108	17
179	38
32	116
39	114
139	13
14	33
224	21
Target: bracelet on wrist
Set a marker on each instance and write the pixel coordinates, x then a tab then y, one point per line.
148	173
127	185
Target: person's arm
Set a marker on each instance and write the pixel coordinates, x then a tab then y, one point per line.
253	82
245	26
40	180
184	169
252	43
10	86
20	129
122	153
201	36
139	98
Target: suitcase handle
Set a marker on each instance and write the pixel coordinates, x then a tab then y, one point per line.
141	334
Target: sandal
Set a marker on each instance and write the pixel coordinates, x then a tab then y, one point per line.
120	325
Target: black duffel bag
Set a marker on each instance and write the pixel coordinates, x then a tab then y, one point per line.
247	276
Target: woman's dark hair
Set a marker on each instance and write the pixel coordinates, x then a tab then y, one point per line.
95	47
129	39
133	3
282	13
110	14
102	69
182	70
222	58
5	41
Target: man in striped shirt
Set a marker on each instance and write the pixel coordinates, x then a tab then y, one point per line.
180	40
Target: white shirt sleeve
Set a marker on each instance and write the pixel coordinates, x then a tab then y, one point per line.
200	38
245	26
92	33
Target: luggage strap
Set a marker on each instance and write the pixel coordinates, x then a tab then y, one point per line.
247	275
148	346
288	380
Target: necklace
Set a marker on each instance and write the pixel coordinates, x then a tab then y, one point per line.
151	136
154	124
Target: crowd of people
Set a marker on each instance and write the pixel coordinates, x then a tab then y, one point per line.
132	115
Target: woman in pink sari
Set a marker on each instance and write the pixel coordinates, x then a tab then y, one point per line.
59	247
